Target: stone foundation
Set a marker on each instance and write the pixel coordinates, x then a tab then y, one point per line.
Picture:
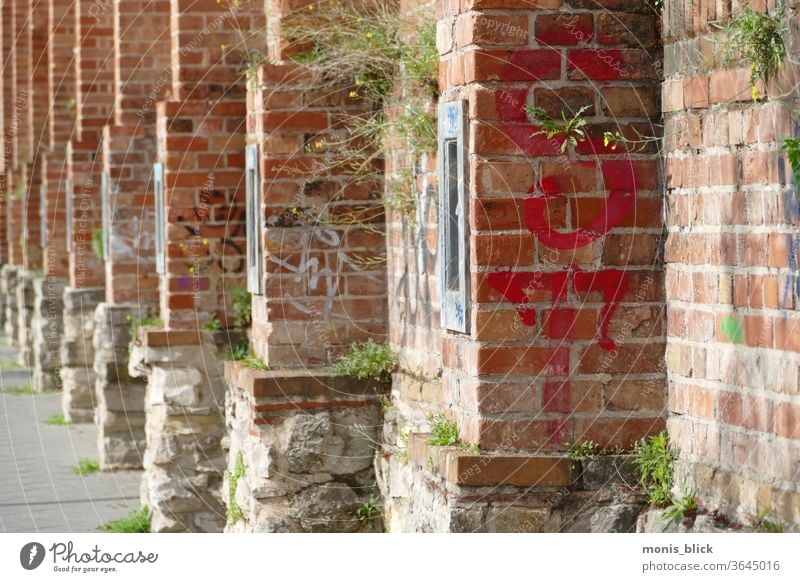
184	460
48	327
77	352
8	288
301	449
119	411
25	309
448	489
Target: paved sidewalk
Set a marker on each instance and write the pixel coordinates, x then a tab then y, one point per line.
39	492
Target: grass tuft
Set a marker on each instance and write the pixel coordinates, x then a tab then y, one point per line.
86	467
137	521
58	420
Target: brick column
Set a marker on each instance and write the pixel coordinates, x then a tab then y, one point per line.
93	100
19	74
29	87
732	257
142	75
323	281
562	313
6	162
200	138
48	287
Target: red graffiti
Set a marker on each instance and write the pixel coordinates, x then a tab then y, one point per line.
619	179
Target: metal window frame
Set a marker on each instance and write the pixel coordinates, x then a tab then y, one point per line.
42	217
105	206
68	188
255	253
454	305
160	226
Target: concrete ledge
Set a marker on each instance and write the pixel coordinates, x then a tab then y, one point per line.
275	395
292	384
487	469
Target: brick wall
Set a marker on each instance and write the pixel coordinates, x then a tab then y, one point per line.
94	99
565	340
5	152
732	279
39	37
200	141
142	73
412	271
142	76
322	228
60	123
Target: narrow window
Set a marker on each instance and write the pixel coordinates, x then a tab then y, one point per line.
453	234
253	215
105	202
158	189
69	215
43	217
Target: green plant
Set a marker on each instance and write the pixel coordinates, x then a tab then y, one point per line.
571	129
144	322
26	390
766	523
9	365
583	450
238	352
242	307
213	324
97	243
253	361
58	420
679	507
372	506
637	144
235	512
756	37
444	432
137	521
367	360
402	449
655	460
390	61
86	467
791	146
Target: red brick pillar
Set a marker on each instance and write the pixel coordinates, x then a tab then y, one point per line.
732	281
142	75
37	12
60	125
564	319
200	142
551	288
24	164
324	250
12	255
93	102
3	175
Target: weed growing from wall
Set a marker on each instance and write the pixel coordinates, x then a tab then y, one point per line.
235	512
756	37
97	243
571	128
655	460
390	63
367	360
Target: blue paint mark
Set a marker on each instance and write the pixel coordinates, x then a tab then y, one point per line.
184	282
451	119
460	313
